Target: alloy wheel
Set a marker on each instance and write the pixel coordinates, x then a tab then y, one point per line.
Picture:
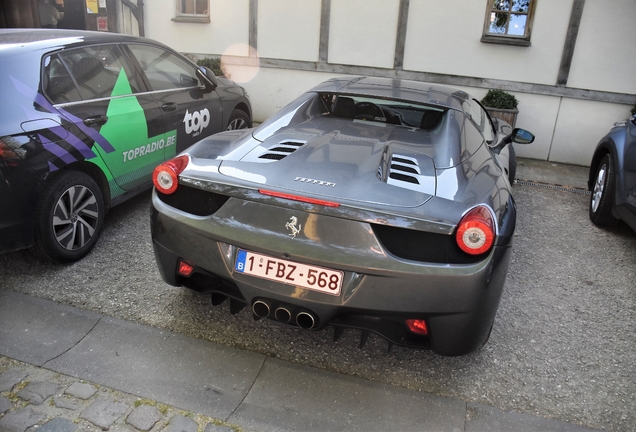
75	217
599	186
237	123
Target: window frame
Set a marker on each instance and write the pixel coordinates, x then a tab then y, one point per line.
191	18
508	39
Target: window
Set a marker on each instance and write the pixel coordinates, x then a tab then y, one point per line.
93	74
474	110
164	70
509	22
193	11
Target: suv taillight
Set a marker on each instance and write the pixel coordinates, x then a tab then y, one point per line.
6	152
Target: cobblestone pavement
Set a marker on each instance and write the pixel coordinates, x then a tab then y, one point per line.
36	399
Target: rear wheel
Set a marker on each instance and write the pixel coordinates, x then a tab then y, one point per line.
239	120
69	218
602	199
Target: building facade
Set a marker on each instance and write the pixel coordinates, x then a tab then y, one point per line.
568	62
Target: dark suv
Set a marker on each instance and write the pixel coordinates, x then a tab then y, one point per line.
85	118
613	176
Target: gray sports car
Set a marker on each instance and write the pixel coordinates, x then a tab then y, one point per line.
377	204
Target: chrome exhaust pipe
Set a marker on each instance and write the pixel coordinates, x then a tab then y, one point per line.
305	320
282	315
260	309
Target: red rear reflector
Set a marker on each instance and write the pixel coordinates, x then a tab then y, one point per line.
417	326
166	176
299	198
185	269
476	231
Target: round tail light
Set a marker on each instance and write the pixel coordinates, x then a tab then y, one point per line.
166	176
476	231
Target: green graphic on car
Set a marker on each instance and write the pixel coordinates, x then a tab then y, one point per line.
133	164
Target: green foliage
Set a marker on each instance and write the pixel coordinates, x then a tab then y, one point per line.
499	99
213	63
633	110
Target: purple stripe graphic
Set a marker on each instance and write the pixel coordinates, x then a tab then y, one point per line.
59	152
75	142
41	100
63	134
52	167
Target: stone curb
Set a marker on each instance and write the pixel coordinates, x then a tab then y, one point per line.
36	399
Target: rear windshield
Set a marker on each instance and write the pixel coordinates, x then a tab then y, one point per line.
367	108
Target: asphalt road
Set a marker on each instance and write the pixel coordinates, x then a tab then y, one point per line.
562	346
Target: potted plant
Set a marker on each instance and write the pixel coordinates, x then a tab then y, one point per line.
501	105
633	110
213	63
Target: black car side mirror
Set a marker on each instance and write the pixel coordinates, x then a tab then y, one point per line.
518	135
208	78
633	119
522	136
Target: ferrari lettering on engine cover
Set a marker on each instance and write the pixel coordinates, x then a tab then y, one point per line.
312	181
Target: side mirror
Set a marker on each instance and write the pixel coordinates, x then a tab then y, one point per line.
633	119
522	136
519	136
207	78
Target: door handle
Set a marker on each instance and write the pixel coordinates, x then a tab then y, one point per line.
96	120
170	106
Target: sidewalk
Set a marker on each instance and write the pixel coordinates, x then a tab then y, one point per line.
67	370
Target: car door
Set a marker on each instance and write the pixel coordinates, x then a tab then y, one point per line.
190	112
97	88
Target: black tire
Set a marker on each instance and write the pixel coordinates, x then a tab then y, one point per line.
602	198
239	120
69	218
512	165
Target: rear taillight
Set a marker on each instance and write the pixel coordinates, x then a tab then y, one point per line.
166	175
476	231
6	152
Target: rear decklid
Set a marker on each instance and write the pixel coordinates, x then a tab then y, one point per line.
354	161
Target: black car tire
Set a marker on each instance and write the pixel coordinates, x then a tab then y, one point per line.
68	218
512	165
239	120
602	198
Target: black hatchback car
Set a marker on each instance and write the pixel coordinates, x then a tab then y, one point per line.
613	176
84	119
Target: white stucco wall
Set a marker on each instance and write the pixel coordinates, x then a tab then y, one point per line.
272	89
363	32
604	55
580	126
229	25
446	39
289	29
441	38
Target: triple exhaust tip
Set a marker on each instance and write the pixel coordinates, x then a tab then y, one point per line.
304	320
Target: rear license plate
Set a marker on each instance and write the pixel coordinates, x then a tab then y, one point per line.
288	272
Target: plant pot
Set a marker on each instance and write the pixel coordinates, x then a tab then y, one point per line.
507	115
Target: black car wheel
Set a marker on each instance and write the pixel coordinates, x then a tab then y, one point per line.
602	199
239	120
69	218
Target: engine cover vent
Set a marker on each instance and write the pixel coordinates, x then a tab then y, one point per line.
281	150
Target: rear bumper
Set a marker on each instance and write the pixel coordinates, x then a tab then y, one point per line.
379	292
